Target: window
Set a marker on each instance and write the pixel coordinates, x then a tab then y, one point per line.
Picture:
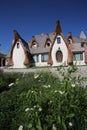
77	56
36	58
82	44
18	45
34	45
58	40
44	57
48	44
69	41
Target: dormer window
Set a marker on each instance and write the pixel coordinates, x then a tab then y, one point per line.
69	41
82	44
58	40
48	44
18	45
34	45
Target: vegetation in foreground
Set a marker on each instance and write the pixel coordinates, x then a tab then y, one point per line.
43	102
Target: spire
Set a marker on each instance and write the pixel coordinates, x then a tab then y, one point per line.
16	35
82	35
58	29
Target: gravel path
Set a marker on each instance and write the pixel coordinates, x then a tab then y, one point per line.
82	70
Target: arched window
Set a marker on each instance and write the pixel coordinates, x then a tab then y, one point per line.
59	56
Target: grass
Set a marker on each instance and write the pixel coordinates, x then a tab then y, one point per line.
41	101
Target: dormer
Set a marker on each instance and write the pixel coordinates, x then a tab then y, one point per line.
69	38
82	35
48	42
34	43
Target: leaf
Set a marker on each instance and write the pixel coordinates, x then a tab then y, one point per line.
70	115
30	126
64	125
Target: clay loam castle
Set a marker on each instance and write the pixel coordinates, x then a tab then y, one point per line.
51	49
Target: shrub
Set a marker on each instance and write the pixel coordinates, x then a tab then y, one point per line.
44	102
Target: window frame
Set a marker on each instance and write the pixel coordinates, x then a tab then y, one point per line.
44	57
36	58
78	56
58	40
18	45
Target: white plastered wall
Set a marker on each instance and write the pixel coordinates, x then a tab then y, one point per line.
63	48
18	56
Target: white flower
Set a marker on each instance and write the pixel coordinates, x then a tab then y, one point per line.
27	109
17	79
50	101
70	124
55	91
35	106
36	76
40	109
46	86
61	92
20	127
49	86
32	91
11	84
73	85
54	128
31	109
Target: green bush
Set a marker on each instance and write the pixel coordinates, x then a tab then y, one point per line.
43	102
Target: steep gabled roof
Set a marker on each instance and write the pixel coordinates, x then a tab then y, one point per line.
58	29
17	38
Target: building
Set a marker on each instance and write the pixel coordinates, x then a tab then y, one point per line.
2	59
48	49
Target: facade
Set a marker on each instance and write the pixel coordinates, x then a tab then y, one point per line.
48	49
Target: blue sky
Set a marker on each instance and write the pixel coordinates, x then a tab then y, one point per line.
33	17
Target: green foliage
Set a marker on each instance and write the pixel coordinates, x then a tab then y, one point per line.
41	101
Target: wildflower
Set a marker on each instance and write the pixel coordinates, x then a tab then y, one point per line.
20	127
49	86
32	91
35	106
50	101
40	109
54	128
70	124
46	86
27	109
55	91
11	84
17	79
31	109
36	76
73	85
61	92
